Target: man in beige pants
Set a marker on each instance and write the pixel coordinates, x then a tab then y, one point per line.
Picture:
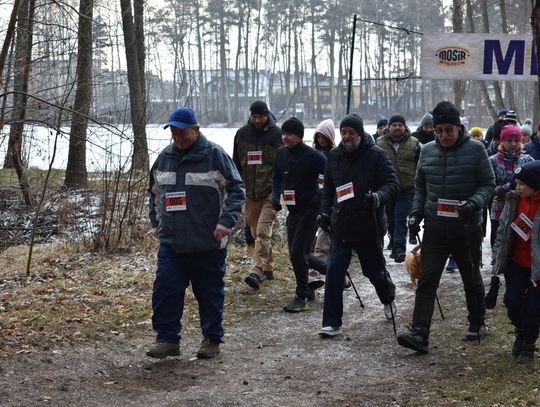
255	146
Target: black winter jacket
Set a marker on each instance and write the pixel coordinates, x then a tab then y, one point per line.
369	169
462	172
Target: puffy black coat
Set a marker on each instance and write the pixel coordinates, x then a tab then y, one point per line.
369	169
462	172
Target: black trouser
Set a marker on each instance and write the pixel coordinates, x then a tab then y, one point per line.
466	251
493	236
522	301
301	229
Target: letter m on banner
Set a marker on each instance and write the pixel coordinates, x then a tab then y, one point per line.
478	56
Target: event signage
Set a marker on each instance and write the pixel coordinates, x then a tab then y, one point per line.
478	56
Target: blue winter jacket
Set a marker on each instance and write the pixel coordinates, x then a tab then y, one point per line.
214	193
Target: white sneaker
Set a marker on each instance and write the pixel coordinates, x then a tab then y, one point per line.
329	331
389	309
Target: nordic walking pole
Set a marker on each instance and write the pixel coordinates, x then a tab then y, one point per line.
436	296
354	288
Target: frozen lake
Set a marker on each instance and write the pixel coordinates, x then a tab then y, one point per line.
109	149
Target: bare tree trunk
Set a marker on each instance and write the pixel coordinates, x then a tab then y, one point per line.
482	84
10	33
457	22
535	24
202	88
76	165
23	58
507	84
136	86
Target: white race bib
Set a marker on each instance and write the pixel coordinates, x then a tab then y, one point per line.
447	208
289	197
254	157
175	201
321	181
345	192
523	226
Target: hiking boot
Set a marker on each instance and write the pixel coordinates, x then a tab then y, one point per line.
415	340
162	350
208	350
298	305
315	284
266	275
329	331
399	257
476	332
527	353
253	280
518	344
389	310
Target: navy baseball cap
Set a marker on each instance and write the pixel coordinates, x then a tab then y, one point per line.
182	118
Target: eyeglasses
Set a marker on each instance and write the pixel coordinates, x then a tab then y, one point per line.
445	130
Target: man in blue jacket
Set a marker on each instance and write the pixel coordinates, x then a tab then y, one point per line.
196	196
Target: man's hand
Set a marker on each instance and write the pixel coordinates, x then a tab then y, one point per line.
276	205
534	283
371	201
324	222
466	210
221	231
414	225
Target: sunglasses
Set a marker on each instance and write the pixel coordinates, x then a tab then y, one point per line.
445	130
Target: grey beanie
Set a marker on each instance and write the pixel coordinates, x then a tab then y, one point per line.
427	119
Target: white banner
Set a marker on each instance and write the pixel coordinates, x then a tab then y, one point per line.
478	56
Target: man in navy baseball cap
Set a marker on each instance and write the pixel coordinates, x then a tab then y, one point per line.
182	118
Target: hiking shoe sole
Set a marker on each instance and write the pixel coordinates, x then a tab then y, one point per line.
408	343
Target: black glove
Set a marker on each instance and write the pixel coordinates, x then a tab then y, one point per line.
276	205
370	202
466	210
324	222
414	225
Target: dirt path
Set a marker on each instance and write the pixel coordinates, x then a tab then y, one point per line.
274	360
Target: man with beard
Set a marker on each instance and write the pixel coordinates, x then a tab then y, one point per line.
359	180
255	147
424	133
404	151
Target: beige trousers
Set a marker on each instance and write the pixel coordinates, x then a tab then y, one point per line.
260	217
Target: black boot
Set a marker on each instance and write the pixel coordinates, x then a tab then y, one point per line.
493	292
416	339
527	353
518	344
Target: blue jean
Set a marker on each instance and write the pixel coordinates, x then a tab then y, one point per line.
175	271
522	301
397	211
373	267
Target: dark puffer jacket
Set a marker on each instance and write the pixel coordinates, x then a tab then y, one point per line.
533	147
369	169
257	177
461	172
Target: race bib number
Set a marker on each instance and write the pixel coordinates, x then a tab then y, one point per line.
345	192
523	226
175	201
289	197
447	208
254	157
321	181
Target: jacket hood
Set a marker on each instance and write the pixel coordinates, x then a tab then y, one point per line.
327	129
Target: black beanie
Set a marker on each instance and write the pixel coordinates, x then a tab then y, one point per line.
354	121
294	126
382	123
397	118
446	113
529	173
259	107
